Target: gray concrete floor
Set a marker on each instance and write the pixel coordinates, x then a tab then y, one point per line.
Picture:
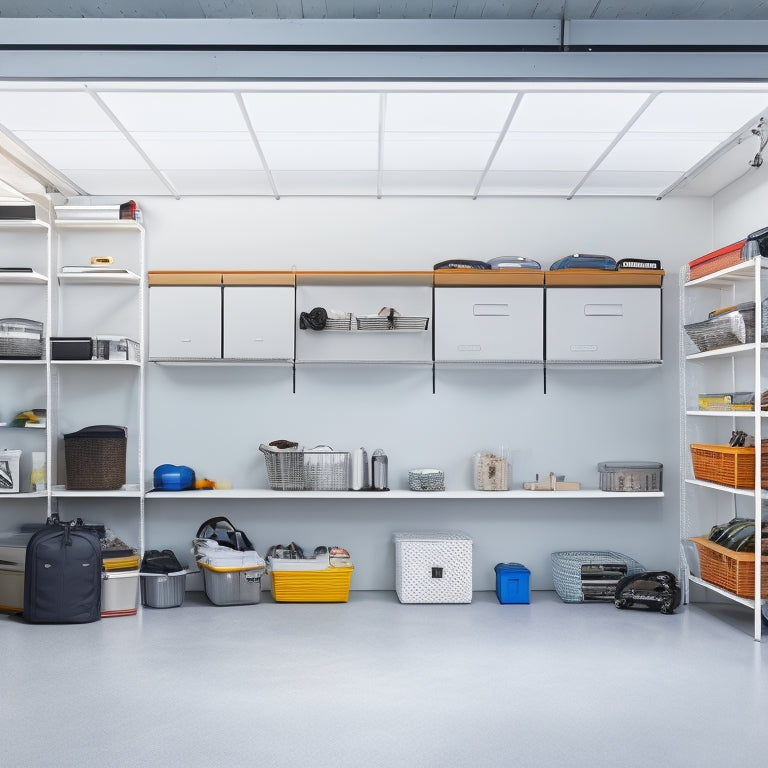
375	683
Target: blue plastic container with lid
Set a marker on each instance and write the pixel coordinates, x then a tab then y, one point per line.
513	583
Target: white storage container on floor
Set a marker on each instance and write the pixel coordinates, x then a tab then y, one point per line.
433	567
603	324
13	550
490	324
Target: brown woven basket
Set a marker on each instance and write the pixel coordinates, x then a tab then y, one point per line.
724	464
734	571
95	459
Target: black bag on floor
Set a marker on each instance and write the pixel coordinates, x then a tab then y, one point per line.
657	590
220	530
62	575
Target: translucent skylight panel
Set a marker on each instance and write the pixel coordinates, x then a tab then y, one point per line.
313	112
321	154
117	182
447	112
200	150
52	111
339	183
639	183
429	183
572	112
219	182
660	151
176	111
444	152
701	112
533	183
550	152
84	150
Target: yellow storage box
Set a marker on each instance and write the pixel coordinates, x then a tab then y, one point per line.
329	585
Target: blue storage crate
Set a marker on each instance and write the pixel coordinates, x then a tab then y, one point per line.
513	583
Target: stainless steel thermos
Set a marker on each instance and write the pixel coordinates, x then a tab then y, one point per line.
379	468
359	479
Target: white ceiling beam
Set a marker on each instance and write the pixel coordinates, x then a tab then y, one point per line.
257	145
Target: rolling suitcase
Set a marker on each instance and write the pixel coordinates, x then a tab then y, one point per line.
62	575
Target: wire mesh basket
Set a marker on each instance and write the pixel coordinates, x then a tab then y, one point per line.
314	470
729	327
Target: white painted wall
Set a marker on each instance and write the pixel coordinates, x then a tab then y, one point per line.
214	418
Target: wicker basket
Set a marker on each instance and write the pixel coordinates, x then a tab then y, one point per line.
95	458
567	570
717	260
307	470
734	571
21	338
724	464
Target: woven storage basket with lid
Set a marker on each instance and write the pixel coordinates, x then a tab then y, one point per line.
95	458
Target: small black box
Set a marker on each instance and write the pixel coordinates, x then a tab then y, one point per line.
11	211
71	348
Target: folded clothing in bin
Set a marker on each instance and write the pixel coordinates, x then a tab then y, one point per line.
323	577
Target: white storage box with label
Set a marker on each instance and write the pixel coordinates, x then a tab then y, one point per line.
258	322
13	550
9	471
185	321
491	324
603	324
119	593
433	567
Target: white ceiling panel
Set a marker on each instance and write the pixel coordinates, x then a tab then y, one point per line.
122	183
447	112
338	183
534	183
640	183
360	138
436	183
85	149
52	111
701	112
207	182
321	155
435	153
573	112
173	111
551	151
660	151
313	112
203	151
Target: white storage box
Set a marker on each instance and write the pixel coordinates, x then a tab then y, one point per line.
119	593
13	550
489	324
603	324
433	567
163	590
9	471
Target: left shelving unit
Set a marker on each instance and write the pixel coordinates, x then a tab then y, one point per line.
107	387
25	267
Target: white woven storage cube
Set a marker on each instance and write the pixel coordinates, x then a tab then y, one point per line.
433	567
